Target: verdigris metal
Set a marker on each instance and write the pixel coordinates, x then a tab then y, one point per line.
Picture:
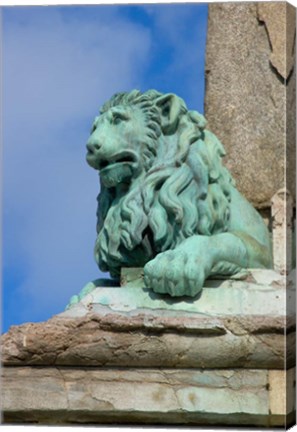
166	201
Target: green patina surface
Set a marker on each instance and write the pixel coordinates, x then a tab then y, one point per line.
166	201
260	290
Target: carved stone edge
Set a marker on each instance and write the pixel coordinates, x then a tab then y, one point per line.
153	341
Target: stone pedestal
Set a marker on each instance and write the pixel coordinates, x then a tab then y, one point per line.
126	355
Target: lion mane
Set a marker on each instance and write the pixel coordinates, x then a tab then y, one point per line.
185	190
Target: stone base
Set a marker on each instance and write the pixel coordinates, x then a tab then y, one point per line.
126	355
157	396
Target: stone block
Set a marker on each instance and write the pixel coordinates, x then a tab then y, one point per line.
125	355
235	323
282	386
156	396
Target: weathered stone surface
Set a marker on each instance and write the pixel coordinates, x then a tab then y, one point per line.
241	323
251	94
124	359
65	395
282	231
282	391
227	297
280	22
88	342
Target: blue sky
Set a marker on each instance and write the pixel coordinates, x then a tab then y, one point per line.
60	64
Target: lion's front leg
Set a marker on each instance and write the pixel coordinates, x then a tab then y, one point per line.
182	271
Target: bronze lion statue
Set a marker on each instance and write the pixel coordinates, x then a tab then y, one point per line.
166	201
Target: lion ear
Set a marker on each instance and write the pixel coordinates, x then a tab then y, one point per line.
170	107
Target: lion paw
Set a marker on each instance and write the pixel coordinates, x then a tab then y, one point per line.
176	273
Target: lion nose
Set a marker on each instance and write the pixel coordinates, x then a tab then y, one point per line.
92	147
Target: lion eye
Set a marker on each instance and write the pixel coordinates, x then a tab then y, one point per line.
119	117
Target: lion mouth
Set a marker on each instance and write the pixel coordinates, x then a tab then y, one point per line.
122	158
117	169
102	164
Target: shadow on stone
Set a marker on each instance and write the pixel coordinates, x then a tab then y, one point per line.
171	300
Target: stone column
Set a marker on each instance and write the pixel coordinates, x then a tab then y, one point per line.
250	99
250	105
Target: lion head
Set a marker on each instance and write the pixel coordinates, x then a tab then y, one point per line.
162	179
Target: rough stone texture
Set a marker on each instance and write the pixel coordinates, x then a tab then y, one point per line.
251	94
280	22
117	357
282	231
282	388
66	395
151	342
245	320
